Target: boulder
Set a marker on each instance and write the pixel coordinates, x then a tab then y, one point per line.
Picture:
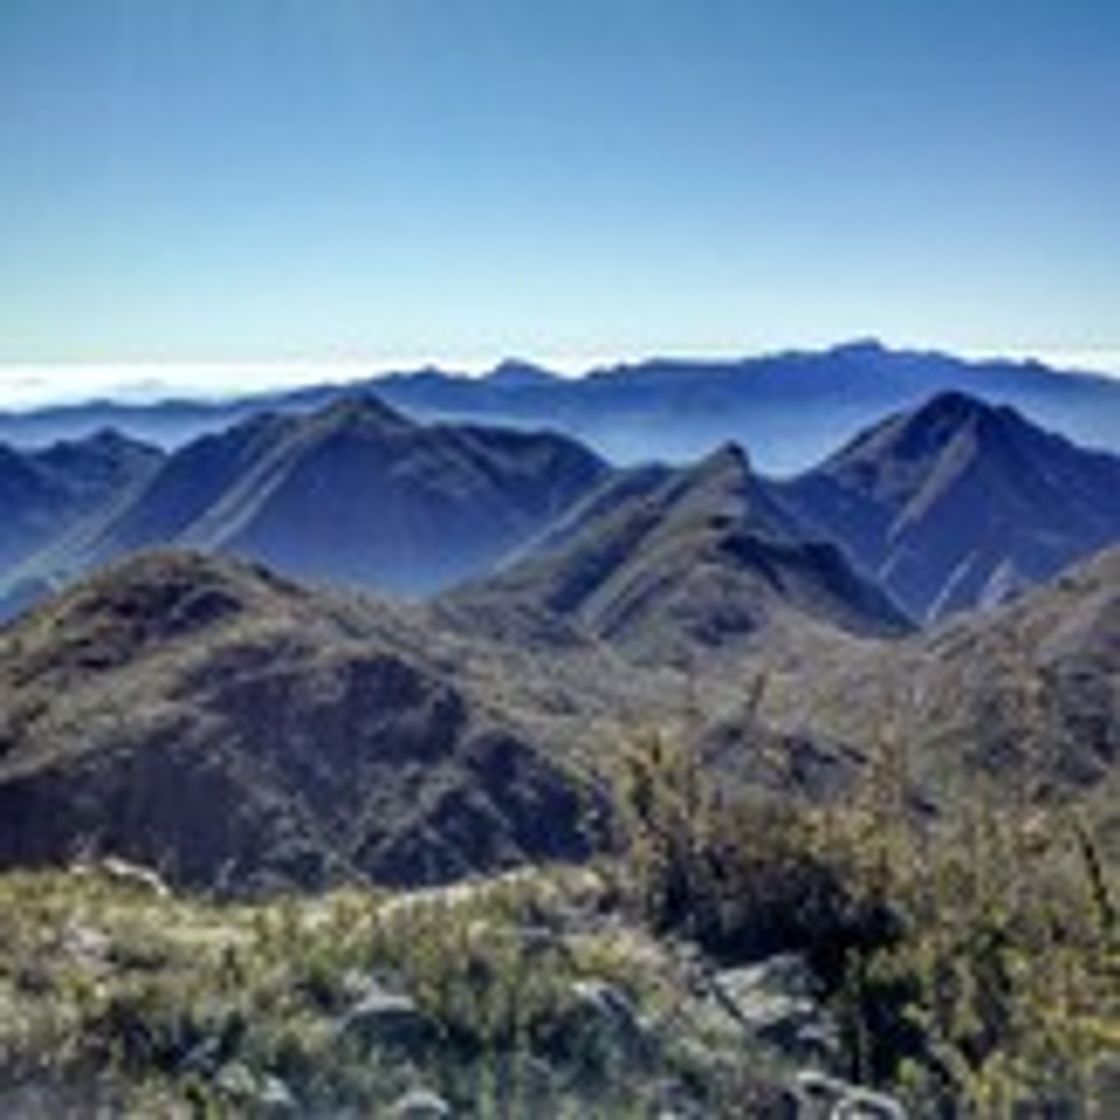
261	1094
819	1097
388	1019
601	1029
420	1104
775	1002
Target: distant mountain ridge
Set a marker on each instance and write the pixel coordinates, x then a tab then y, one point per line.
790	408
45	492
958	503
951	504
354	493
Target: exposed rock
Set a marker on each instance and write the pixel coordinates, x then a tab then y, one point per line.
420	1104
275	1096
88	946
601	1029
131	875
775	1002
261	1095
828	1098
387	1019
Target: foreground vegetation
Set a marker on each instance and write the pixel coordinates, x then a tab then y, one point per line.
518	997
972	956
969	964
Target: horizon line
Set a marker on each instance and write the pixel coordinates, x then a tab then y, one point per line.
29	385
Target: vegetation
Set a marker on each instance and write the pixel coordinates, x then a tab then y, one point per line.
973	959
158	1005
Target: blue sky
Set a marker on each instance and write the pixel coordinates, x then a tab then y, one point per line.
389	181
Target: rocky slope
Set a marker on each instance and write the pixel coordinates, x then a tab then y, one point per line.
1022	701
206	717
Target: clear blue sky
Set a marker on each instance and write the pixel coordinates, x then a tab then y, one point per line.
269	179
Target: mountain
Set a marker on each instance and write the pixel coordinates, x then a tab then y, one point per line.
205	716
200	714
354	493
790	408
958	503
1016	702
44	492
672	563
516	375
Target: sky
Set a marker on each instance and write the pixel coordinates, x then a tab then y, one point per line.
234	187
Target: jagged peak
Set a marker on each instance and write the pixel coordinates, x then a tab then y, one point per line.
945	415
724	485
929	427
358	410
728	458
952	404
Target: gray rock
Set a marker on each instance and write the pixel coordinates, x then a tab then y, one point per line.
236	1080
820	1097
133	876
264	1095
420	1104
388	1019
88	946
604	1023
775	1002
275	1097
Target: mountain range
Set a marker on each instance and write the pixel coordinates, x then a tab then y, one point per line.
244	733
44	492
353	494
789	408
949	505
486	613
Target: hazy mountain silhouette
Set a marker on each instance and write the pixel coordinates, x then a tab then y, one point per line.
668	563
45	492
789	408
958	503
354	493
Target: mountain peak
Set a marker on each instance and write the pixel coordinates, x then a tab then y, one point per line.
952	404
944	501
363	410
934	425
860	348
728	456
513	373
